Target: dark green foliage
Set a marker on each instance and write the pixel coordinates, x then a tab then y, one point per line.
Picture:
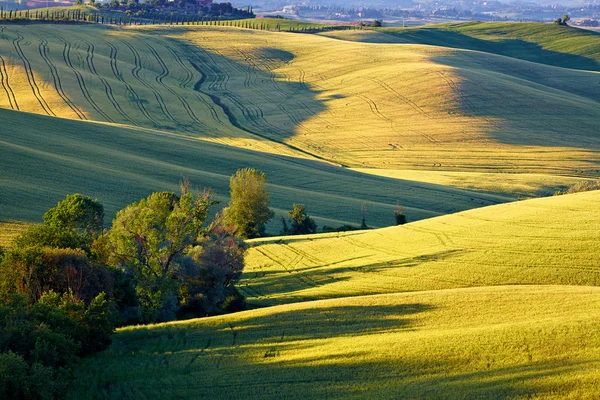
300	223
210	270
149	239
40	342
248	209
21	381
73	223
399	215
562	21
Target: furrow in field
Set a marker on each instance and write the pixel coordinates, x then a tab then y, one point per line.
81	81
132	95
136	74
107	88
12	100
159	80
30	76
44	50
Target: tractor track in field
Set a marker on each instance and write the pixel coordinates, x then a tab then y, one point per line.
89	59
80	80
44	49
131	93
136	74
12	100
189	75
404	99
30	77
239	104
159	80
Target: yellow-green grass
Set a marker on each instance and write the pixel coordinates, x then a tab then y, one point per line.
501	342
551	44
44	158
363	105
552	240
523	185
9	230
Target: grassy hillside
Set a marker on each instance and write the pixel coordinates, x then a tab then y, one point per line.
505	342
542	241
362	105
119	165
550	44
9	230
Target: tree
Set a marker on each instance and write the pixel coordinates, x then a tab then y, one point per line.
210	270
74	223
399	215
149	239
248	209
300	223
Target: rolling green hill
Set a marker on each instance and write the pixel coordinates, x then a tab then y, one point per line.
501	341
119	165
513	342
550	44
552	240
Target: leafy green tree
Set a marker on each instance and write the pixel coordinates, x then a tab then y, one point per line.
248	209
73	223
301	223
209	272
150	237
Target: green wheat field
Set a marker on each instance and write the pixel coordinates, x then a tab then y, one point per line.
492	290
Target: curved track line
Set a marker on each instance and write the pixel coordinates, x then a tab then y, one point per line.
6	86
44	51
80	80
164	74
30	77
136	74
131	93
107	88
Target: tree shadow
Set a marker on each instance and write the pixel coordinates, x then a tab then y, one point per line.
516	48
287	284
286	353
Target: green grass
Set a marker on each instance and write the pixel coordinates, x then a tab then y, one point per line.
9	230
503	342
550	44
552	240
119	112
119	165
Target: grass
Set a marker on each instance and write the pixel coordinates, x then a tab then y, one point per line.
119	165
417	107
503	342
9	230
439	308
541	241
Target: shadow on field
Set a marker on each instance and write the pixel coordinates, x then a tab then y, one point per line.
259	286
515	48
321	352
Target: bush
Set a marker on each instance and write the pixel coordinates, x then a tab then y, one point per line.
300	224
248	209
20	381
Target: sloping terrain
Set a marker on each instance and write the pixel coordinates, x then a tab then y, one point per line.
119	165
501	341
504	342
395	106
552	240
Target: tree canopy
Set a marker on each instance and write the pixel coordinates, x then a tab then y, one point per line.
248	209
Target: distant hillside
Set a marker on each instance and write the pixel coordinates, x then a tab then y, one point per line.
550	44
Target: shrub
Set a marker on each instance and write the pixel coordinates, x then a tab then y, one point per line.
248	209
301	223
